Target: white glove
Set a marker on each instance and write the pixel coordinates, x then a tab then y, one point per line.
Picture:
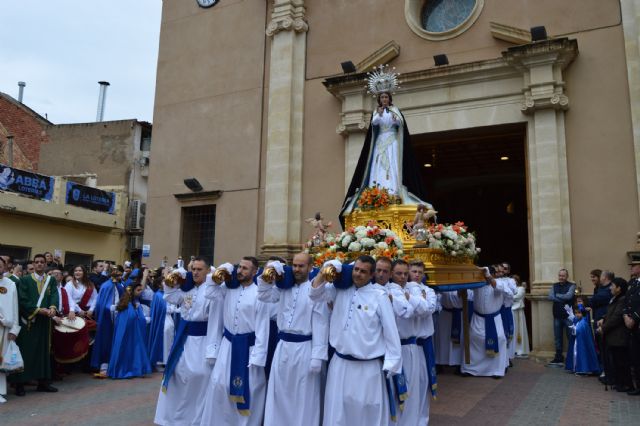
487	274
335	263
277	265
569	312
211	361
212	269
315	366
182	272
228	266
390	374
112	308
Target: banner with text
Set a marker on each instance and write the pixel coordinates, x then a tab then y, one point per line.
26	183
90	198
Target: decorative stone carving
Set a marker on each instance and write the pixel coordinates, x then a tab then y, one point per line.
287	15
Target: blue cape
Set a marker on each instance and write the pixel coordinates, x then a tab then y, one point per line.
129	357
586	361
104	324
156	328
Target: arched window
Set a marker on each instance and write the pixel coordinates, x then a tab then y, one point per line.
441	19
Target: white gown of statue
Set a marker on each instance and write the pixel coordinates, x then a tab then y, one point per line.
385	165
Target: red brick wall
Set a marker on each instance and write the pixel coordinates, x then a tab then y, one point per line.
28	132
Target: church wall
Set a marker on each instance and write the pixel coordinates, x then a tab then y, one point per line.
208	111
352	29
600	155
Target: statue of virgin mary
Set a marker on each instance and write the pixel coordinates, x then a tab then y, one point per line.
386	159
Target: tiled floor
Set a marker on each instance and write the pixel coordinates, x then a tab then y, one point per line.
530	394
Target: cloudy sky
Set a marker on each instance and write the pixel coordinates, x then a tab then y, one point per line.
62	48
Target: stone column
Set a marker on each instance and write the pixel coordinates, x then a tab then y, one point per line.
630	18
283	185
542	64
354	121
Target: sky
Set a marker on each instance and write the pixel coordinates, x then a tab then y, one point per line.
62	48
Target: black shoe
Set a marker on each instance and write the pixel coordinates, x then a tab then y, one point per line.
623	388
510	364
46	388
20	390
557	360
634	392
496	377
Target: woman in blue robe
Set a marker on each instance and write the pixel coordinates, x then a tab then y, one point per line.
155	343
129	356
110	292
581	352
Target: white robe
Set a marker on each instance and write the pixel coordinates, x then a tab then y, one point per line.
242	313
448	352
416	406
291	384
169	331
77	293
183	402
9	320
363	326
521	337
487	300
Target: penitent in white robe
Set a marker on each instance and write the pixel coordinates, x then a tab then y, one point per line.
242	313
9	320
168	331
183	402
363	326
487	300
291	384
414	364
448	352
520	335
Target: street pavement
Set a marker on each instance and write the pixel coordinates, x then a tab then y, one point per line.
530	394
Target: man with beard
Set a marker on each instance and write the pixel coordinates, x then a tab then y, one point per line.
303	335
364	333
237	387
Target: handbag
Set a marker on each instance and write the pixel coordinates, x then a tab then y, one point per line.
11	360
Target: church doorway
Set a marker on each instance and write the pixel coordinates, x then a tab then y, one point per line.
478	176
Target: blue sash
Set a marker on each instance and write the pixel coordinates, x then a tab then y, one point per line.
295	338
430	357
185	329
408	341
507	322
456	323
490	333
239	391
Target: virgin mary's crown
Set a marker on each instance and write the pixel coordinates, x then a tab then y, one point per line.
382	79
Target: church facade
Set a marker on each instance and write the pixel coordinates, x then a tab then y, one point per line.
533	142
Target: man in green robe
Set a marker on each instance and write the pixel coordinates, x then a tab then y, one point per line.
37	303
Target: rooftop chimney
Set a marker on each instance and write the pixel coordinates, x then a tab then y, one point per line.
21	85
102	99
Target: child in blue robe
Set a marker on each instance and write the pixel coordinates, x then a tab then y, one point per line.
129	356
581	352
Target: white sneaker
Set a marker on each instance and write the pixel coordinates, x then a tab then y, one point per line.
2	400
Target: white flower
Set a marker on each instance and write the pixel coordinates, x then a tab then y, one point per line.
361	234
438	235
382	245
361	228
449	243
453	253
355	246
400	252
345	241
368	242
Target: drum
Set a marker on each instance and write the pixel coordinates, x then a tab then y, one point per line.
70	340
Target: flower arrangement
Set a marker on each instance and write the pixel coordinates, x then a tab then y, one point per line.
370	239
375	197
455	240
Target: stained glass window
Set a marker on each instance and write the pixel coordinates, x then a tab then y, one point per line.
443	15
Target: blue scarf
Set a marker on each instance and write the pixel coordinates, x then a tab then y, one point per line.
507	322
490	333
430	357
239	389
456	323
185	329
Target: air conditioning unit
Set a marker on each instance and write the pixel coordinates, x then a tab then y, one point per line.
137	211
135	242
